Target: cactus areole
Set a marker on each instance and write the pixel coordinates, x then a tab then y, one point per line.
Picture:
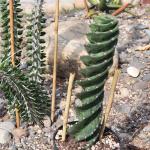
101	47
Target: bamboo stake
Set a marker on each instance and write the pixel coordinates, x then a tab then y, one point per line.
110	101
11	8
119	10
86	6
17	117
66	113
55	62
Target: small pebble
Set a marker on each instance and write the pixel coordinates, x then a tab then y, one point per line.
133	72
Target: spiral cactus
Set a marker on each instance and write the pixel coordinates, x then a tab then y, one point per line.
102	41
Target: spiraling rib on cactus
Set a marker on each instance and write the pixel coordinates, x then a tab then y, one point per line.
36	42
102	42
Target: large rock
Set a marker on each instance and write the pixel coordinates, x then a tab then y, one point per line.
74	49
8	125
72	37
5	136
5	129
142	140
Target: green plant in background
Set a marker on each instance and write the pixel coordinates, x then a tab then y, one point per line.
27	95
102	41
36	42
117	2
106	5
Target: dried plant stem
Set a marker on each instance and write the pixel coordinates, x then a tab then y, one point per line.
11	8
66	113
110	101
144	48
119	10
86	6
55	62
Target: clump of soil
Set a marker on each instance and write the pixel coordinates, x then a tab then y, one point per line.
109	142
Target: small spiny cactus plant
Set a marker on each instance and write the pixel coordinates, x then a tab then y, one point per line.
101	47
36	42
18	30
29	97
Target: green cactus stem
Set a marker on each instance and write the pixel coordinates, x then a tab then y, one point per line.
36	42
18	30
4	23
101	47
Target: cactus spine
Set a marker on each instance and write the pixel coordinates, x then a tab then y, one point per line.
102	41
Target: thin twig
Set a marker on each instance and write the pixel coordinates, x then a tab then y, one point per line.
86	6
110	101
144	48
119	10
66	113
55	62
17	117
11	8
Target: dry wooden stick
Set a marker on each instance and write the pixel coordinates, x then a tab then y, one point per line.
86	6
11	8
110	101
17	117
55	62
66	113
119	10
144	48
